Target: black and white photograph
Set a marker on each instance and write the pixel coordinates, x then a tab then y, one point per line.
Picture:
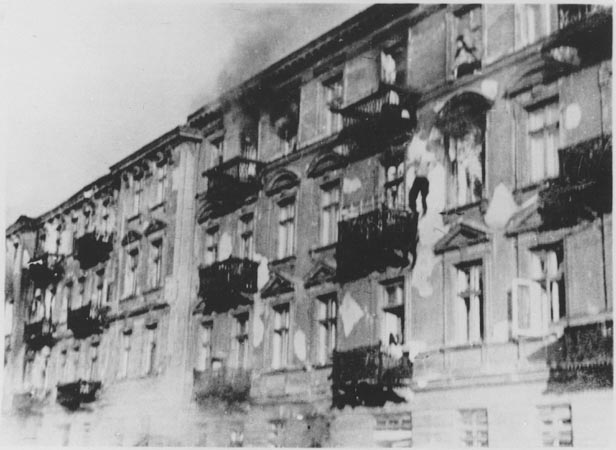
263	224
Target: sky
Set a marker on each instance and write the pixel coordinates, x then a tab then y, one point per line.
84	84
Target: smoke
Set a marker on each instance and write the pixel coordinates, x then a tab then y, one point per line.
262	34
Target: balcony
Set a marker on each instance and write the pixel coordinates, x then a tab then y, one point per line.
230	385
582	358
45	269
496	362
72	395
367	376
227	284
39	334
92	249
585	29
233	180
386	116
584	188
380	238
85	321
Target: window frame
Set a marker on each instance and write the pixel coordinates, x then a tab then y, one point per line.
246	232
326	208
475	427
327	326
393	311
550	410
286	226
241	334
212	239
543	132
468	296
281	332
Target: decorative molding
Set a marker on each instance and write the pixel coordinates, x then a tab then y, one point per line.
460	236
320	273
276	285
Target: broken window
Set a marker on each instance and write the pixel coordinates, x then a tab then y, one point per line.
469	304
330	213
394	185
328	323
211	246
543	140
474	427
556	426
286	228
218	145
569	14
241	340
466	155
280	348
393	65
393	313
468	41
247	236
285	119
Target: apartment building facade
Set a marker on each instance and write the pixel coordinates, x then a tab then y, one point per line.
399	234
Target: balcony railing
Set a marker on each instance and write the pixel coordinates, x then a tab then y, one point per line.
45	269
384	116
583	357
227	284
570	14
380	238
72	395
39	334
85	321
234	179
230	385
584	187
367	375
92	249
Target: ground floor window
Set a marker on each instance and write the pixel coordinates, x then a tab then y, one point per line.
473	427
556	425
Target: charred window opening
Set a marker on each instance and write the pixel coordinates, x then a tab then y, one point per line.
393	65
241	340
468	41
285	119
463	123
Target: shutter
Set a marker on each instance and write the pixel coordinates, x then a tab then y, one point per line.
361	76
500	25
308	111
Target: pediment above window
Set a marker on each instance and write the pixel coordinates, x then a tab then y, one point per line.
130	237
542	72
276	285
154	226
325	162
280	181
460	236
320	273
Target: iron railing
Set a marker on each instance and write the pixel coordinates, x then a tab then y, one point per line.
235	178
85	321
226	284
71	395
91	249
373	240
230	384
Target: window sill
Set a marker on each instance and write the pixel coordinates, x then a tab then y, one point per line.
460	210
282	261
153	289
128	298
322	249
532	186
157	206
134	218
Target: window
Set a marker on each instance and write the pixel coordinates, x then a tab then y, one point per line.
330	213
532	23
466	154
125	356
286	228
205	349
100	284
81	291
393	312
241	340
63	366
541	300
331	122
474	427
281	336
130	274
67	293
469	304
394	185
328	319
276	432
149	365
161	184
568	14
468	41
211	246
556	426
137	190
156	263
247	237
93	375
393	66
393	430
543	141
219	150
